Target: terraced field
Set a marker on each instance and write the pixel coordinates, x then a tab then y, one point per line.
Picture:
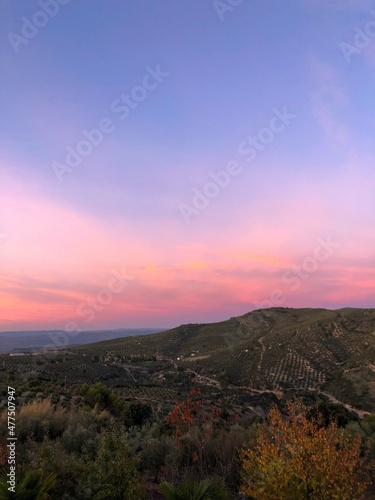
268	350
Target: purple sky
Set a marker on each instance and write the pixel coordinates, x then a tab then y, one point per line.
219	156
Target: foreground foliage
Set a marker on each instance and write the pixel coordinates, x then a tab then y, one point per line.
300	458
30	485
91	449
191	489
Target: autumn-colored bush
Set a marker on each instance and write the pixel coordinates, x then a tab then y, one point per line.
192	413
207	442
299	458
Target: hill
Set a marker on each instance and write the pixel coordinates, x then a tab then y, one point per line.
243	363
274	349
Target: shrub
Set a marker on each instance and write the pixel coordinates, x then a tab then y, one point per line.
39	419
100	394
137	414
114	473
327	412
298	458
29	484
191	489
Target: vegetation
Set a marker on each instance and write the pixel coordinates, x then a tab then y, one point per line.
191	489
277	349
142	417
31	484
89	453
300	458
114	473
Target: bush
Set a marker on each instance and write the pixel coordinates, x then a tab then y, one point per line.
39	419
138	414
191	489
99	394
114	473
327	412
299	458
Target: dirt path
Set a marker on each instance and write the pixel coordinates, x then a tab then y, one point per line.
360	413
261	343
257	391
195	358
205	380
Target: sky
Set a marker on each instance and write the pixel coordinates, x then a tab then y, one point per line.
179	162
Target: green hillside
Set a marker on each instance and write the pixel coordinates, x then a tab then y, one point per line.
244	363
274	349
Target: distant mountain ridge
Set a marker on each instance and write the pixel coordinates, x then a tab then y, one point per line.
26	341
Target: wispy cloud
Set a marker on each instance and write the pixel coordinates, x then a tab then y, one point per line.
328	99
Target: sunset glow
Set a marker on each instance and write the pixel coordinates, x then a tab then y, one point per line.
293	226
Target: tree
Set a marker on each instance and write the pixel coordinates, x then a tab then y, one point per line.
299	458
138	414
114	473
191	489
100	394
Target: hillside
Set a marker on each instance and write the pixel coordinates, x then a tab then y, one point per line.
274	349
244	362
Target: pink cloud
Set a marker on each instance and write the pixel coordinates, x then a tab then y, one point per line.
57	258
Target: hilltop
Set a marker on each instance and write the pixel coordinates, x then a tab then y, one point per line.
274	349
245	363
